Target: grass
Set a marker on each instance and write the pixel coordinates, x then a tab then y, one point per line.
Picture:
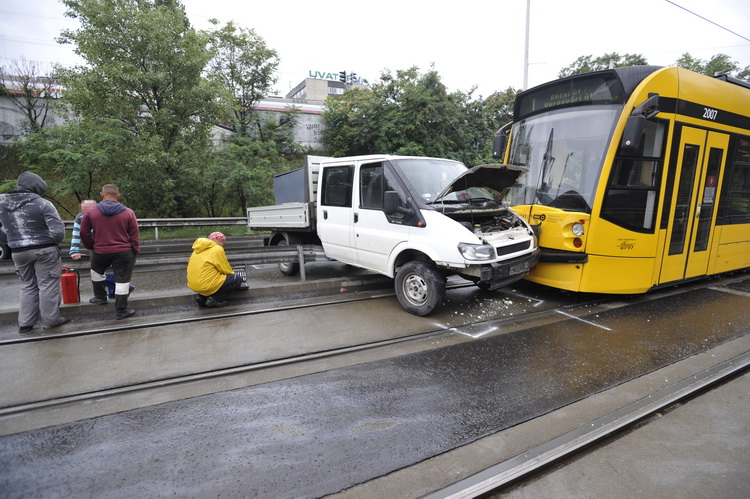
148	234
188	232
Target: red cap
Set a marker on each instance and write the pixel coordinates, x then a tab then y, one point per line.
217	236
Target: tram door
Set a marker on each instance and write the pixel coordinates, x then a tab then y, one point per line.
691	228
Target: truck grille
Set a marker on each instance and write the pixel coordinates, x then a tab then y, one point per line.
513	248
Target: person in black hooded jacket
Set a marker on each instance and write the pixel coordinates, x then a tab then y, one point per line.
32	228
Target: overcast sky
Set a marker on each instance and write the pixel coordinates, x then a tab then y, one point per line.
470	43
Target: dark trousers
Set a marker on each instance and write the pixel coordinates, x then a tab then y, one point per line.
122	264
231	283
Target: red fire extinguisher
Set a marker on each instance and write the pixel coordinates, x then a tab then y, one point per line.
70	281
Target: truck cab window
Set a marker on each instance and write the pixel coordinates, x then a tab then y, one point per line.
337	186
375	180
371	183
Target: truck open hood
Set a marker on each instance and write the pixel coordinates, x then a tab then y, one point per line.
497	177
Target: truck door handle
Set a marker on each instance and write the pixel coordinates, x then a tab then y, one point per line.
325	214
356	217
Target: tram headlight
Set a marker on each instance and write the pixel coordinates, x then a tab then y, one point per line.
476	251
577	229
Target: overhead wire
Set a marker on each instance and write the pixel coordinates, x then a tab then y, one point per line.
707	20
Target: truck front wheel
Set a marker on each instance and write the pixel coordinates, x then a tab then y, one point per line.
419	287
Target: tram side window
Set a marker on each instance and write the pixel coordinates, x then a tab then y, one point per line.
735	196
630	200
633	186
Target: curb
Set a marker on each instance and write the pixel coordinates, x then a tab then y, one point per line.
10	316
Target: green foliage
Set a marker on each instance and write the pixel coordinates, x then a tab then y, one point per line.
413	114
587	63
144	108
190	232
240	174
143	84
245	67
719	64
77	159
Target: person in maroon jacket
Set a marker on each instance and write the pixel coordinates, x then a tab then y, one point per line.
111	233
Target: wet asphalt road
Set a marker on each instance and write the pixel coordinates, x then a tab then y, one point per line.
322	433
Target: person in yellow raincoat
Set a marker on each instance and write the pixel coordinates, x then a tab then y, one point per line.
209	273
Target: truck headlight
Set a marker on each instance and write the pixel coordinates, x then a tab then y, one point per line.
476	251
577	229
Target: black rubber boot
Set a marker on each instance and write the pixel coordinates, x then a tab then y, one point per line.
201	301
100	292
121	307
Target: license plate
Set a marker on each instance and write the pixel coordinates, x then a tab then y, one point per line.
519	267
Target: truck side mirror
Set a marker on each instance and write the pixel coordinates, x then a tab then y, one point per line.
392	204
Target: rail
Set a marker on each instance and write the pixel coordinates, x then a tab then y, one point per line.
156	223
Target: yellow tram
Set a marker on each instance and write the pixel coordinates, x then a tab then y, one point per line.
638	177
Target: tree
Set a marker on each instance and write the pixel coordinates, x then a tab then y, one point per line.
244	65
719	64
241	175
144	77
32	93
77	159
407	113
687	61
587	63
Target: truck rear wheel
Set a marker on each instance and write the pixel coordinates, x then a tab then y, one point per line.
288	268
419	287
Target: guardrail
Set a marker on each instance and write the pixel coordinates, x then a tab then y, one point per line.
156	223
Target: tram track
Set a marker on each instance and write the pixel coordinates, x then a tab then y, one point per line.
111	328
469	329
494	481
496	478
511	323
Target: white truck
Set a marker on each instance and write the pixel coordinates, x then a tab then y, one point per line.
414	219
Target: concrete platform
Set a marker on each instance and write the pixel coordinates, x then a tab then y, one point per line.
339	429
154	289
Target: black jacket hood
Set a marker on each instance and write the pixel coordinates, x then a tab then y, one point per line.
31	182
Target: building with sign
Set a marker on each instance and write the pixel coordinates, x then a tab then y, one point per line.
316	90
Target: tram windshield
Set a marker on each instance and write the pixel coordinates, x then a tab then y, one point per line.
563	151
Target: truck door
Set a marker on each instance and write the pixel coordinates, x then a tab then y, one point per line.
690	231
335	215
375	235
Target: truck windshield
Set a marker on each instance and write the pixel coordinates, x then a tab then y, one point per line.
429	177
563	151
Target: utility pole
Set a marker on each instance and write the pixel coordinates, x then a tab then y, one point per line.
526	48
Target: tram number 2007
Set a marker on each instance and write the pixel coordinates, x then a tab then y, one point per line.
709	114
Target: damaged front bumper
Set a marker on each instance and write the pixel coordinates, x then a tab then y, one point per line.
496	275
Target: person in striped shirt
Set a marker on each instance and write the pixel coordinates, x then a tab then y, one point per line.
75	242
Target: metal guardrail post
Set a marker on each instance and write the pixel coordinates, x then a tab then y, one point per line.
301	260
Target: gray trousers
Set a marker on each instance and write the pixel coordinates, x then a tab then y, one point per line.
41	294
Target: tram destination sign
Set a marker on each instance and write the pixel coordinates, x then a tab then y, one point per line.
591	89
